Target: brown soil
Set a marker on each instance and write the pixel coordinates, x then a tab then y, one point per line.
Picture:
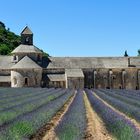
95	126
137	124
47	131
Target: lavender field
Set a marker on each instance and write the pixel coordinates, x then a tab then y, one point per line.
67	114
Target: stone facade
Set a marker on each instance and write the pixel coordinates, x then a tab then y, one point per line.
26	78
28	68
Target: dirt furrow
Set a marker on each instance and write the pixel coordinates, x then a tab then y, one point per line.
47	132
137	124
95	126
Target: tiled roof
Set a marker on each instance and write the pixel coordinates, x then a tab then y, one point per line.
57	77
26	30
26	49
74	73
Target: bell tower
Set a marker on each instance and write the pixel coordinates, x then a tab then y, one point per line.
27	36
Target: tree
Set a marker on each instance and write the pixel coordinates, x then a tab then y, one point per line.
4	49
8	40
139	52
125	54
2	25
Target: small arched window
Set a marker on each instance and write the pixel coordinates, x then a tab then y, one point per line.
15	58
26	81
27	39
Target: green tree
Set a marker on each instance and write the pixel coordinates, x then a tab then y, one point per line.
2	25
125	54
4	49
8	40
139	52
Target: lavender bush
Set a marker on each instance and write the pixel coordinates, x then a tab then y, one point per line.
28	124
73	124
119	126
10	114
130	110
25	100
122	97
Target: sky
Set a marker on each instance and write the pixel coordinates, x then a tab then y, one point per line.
77	27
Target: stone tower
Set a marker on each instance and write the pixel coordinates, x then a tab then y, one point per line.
27	59
27	36
26	48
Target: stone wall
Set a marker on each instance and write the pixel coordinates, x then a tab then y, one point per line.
5	84
47	83
77	83
118	78
5	72
26	78
128	78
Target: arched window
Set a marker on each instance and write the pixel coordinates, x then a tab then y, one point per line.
27	39
15	58
14	81
26	81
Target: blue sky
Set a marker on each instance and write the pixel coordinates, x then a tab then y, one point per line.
77	27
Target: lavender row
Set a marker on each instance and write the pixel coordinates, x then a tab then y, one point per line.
26	100
73	123
125	93
122	97
12	92
26	125
22	97
131	93
117	124
8	115
130	110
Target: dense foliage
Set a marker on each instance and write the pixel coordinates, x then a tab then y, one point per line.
8	40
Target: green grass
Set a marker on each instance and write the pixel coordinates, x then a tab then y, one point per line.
7	116
121	131
50	97
18	131
69	133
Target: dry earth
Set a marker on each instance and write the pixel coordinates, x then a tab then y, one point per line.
95	126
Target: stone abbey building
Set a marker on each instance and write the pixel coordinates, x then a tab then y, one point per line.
27	67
